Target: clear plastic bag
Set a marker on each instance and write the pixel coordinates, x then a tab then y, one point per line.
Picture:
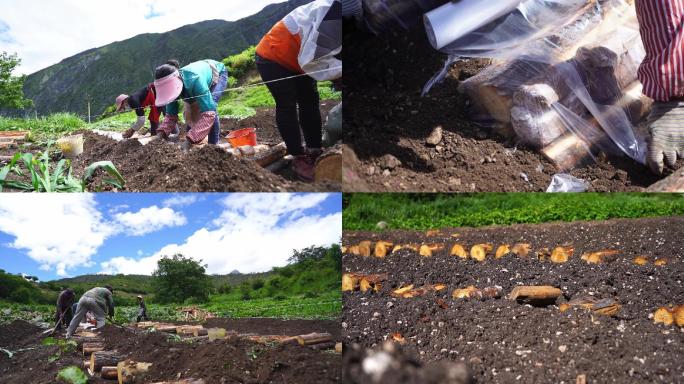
562	182
561	67
383	15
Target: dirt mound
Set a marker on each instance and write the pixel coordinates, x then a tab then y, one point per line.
504	341
265	123
264	326
384	114
162	167
17	333
232	360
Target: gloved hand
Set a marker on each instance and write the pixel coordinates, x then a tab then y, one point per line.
666	125
186	145
128	133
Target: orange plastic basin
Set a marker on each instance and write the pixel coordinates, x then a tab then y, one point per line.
244	136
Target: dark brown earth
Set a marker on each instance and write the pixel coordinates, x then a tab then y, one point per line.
384	114
228	361
505	342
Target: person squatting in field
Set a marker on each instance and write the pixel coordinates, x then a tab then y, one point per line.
99	302
138	101
142	310
661	24
64	313
306	41
200	85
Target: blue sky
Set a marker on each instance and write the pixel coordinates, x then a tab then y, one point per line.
52	236
61	29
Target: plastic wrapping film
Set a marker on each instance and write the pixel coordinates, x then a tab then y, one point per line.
563	77
383	15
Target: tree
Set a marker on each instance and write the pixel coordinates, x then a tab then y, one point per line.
179	278
309	253
11	87
21	295
245	291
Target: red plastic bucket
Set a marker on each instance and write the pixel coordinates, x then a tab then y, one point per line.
244	136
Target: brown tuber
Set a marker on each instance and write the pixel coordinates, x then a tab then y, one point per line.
521	249
535	294
561	254
599	257
458	250
640	260
471	292
479	251
382	248
660	262
679	315
502	250
663	315
365	248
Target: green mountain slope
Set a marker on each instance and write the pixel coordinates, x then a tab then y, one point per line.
103	73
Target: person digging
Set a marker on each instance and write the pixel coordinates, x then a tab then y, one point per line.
99	302
201	85
142	310
306	41
661	25
64	313
138	102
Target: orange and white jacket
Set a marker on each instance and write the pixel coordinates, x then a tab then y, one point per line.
307	40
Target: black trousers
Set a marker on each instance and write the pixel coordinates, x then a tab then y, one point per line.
296	105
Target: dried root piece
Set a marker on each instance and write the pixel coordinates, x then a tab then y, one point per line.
479	251
561	255
502	250
349	281
600	257
640	260
362	282
409	292
413	247
471	292
433	232
535	294
660	262
382	248
521	249
679	315
663	315
458	250
606	307
398	338
425	250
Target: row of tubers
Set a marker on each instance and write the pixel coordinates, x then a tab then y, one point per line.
480	252
670	315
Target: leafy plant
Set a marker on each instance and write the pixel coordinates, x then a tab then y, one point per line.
44	178
72	375
65	346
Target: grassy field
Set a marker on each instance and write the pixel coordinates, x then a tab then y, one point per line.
426	211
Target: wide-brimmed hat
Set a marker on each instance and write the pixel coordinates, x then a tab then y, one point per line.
120	102
168	88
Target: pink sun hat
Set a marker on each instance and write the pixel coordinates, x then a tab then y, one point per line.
120	102
168	88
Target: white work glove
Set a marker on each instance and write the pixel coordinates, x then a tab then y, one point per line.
139	123
666	125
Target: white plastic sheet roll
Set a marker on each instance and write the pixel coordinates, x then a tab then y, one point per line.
452	21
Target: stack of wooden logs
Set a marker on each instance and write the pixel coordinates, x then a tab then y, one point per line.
11	139
589	82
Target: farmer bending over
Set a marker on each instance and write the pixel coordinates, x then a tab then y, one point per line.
304	42
201	84
64	314
142	310
661	23
99	302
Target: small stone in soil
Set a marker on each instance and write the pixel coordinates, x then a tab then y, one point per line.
389	162
435	136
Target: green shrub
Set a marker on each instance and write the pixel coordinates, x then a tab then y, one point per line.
21	295
240	63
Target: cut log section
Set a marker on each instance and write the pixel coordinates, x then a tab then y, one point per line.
323	346
109	373
103	358
535	295
273	154
314	338
189	330
129	371
672	183
89	348
329	165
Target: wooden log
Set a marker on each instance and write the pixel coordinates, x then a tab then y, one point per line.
129	371
104	358
89	348
86	340
188	329
672	183
108	373
275	153
168	328
86	364
329	165
567	152
535	295
314	338
14	134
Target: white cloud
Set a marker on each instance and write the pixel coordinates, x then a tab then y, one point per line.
57	231
60	29
148	220
254	233
181	200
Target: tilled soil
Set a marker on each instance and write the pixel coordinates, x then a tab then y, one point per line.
504	341
384	114
221	361
163	167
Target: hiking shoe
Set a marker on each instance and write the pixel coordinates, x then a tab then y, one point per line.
304	167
